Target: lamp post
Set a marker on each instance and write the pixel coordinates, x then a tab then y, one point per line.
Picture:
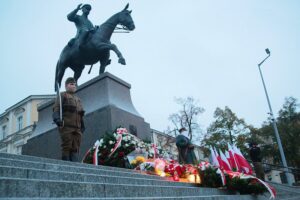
274	122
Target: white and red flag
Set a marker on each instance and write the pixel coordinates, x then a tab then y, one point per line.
233	161
225	162
243	164
214	159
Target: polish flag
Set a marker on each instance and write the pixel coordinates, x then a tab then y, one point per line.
214	159
233	161
243	164
218	157
230	160
225	162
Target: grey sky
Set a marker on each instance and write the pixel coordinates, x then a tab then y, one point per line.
205	49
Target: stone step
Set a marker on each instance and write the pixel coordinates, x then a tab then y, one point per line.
79	168
29	173
204	197
29	177
286	192
60	162
14	187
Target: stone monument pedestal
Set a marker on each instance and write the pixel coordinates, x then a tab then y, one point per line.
107	103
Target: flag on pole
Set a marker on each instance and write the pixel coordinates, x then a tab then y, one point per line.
243	164
225	162
213	157
218	157
232	158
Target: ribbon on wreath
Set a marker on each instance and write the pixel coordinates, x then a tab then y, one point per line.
95	155
270	189
85	155
219	171
118	143
154	147
203	165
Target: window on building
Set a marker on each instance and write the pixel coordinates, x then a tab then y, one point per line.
3	135
19	150
20	123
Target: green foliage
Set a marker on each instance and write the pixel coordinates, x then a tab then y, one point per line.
227	127
210	178
245	186
107	143
288	123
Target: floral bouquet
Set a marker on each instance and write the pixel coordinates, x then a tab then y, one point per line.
113	148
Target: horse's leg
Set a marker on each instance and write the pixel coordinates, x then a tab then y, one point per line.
113	47
77	72
102	68
103	65
104	61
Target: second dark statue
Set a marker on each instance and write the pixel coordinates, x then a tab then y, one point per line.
91	44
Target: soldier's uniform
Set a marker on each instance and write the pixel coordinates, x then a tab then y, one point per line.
73	125
256	159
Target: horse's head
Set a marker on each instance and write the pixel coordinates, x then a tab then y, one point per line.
125	18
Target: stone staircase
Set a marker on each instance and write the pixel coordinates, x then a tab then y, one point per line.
28	177
285	192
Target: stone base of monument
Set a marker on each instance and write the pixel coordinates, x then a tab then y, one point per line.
107	102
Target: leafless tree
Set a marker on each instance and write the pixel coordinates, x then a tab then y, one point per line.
187	116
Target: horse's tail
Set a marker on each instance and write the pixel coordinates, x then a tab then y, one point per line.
55	81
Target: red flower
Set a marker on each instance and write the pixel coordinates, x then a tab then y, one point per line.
101	162
121	154
178	170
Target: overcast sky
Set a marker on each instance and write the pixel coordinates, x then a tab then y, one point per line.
205	49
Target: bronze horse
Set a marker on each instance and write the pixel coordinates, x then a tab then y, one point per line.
96	49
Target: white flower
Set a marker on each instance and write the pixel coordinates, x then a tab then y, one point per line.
110	142
133	142
104	146
97	143
126	145
151	151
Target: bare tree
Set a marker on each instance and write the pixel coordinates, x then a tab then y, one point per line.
187	117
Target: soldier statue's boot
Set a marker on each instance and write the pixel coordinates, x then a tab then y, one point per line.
74	157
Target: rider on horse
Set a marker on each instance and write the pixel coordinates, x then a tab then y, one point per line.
83	24
97	46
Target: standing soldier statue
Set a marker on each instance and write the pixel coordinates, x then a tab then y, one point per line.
83	24
68	116
186	154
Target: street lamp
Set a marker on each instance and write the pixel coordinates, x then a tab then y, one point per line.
274	122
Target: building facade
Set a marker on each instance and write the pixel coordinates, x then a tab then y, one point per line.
18	122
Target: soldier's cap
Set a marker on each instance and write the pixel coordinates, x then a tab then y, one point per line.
87	6
182	129
251	144
70	80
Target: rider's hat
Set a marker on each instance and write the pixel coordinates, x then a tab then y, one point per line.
87	6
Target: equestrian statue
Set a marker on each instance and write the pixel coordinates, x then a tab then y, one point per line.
92	43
